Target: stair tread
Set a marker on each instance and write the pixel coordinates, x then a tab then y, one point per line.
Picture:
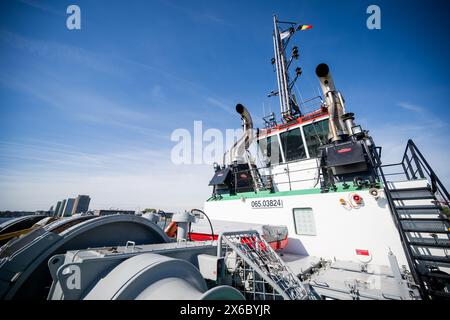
430	242
435	275
418	207
411	189
413	197
424	219
419	212
432	258
425	230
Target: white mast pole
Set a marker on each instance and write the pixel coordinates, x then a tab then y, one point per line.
276	37
282	74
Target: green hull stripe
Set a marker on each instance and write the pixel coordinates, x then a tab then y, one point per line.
268	194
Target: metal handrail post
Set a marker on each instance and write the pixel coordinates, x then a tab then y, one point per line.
416	161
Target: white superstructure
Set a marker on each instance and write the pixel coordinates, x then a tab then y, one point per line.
320	175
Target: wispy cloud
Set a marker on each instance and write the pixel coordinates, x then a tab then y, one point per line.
82	104
129	178
424	118
411	107
190	87
117	66
197	16
59	52
39	5
189	84
126	173
150	188
110	64
217	103
71	158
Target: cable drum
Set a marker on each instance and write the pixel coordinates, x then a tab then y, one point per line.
156	277
28	256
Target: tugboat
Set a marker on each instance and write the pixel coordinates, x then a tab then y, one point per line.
303	208
320	174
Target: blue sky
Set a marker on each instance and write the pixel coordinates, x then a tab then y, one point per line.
91	110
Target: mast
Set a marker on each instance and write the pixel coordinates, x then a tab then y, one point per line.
288	104
281	69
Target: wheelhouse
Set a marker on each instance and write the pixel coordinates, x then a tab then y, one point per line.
294	142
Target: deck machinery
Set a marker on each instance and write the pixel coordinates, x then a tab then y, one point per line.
124	257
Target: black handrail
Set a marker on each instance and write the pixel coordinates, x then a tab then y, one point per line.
436	183
412	157
404	240
415	166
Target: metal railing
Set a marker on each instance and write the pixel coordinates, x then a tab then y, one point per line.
271	177
414	166
253	267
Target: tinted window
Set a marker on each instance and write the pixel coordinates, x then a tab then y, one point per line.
269	144
316	135
292	143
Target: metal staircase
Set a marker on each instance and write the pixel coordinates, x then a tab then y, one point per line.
254	172
420	205
256	270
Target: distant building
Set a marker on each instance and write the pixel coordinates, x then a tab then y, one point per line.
58	205
81	204
106	212
61	209
69	207
44	212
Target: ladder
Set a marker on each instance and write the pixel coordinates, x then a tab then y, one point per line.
258	184
257	270
418	211
425	232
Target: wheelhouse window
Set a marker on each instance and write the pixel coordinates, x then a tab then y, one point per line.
316	135
293	146
267	145
304	221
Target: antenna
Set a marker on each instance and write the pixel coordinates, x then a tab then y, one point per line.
281	38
